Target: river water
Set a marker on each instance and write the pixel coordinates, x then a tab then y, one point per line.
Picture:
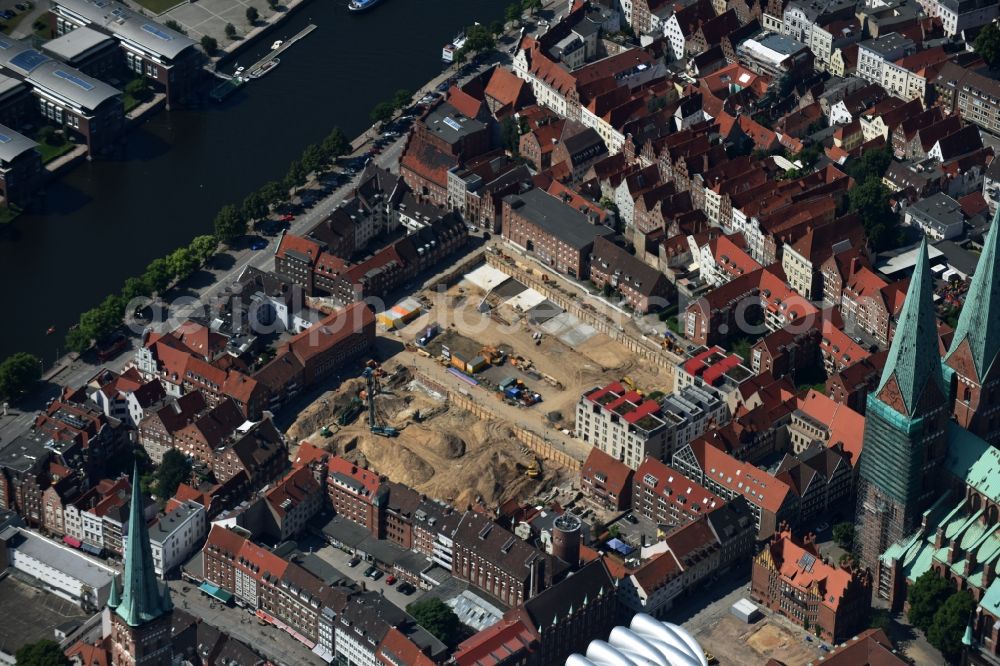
105	221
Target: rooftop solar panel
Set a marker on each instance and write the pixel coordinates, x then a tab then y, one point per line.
156	31
452	123
5	139
74	79
4	44
28	60
119	12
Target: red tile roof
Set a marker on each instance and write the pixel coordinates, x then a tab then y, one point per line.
297	486
616	473
847	427
396	648
741	477
672	487
828	581
494	644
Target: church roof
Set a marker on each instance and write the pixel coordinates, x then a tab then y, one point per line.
913	356
142	600
978	323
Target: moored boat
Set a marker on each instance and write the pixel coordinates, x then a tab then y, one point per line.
361	5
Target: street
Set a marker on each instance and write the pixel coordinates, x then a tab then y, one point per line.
242	625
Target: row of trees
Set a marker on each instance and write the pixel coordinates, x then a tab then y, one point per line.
232	220
230	223
384	111
516	10
17	374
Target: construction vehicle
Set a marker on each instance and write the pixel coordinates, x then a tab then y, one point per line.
493	355
627	381
374	423
534	469
351	411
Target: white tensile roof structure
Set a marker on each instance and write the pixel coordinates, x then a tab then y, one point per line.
645	642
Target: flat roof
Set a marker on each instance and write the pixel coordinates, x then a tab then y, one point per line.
127	25
9	83
63	559
561	220
76	43
166	525
448	123
13	144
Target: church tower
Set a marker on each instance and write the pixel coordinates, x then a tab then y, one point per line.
971	359
905	438
141	614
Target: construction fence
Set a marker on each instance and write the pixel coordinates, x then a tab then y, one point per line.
634	342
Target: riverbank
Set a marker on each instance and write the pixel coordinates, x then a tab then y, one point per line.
178	168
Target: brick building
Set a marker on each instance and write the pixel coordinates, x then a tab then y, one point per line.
555	233
791	578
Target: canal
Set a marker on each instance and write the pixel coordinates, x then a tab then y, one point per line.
105	221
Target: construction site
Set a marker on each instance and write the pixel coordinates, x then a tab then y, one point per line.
479	404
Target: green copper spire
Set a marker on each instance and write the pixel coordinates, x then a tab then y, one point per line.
913	355
967	636
141	600
114	599
979	322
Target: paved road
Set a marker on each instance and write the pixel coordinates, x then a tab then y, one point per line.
273	643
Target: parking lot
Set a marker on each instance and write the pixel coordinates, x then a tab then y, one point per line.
341	561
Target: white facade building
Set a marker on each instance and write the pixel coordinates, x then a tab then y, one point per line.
63	571
173	538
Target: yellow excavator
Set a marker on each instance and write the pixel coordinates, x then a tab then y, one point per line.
534	469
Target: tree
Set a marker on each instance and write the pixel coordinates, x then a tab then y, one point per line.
157	275
479	38
274	192
210	44
949	624
335	144
438	618
137	87
496	27
17	373
41	653
926	595
296	176
48	135
182	262
313	158
174	470
513	13
881	619
870	201
175	26
254	206
203	247
987	44
843	535
383	112
402	98
230	31
273	4
229	224
531	6
252	15
511	133
134	287
872	164
77	340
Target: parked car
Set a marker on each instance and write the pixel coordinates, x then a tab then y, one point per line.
371	571
287	217
632	519
406	588
390	580
258	244
354	561
376	575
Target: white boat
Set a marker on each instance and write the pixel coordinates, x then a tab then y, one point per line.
277	45
449	50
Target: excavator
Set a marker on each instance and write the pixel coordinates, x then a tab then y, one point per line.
534	469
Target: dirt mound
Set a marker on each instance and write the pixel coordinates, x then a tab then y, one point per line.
408	467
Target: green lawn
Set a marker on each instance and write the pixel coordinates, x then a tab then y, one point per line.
159	6
49	151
